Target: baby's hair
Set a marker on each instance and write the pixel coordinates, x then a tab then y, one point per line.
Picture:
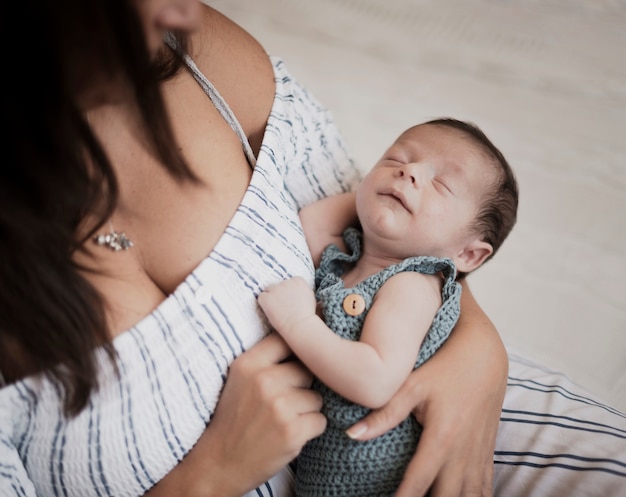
498	213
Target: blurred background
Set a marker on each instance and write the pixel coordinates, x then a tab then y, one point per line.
546	81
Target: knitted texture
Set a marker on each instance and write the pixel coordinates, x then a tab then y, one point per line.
333	464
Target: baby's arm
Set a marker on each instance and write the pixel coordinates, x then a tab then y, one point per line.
325	220
371	370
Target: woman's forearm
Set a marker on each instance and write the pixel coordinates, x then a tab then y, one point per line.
478	332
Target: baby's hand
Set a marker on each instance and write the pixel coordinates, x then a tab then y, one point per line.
288	303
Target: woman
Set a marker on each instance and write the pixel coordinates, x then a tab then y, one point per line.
143	215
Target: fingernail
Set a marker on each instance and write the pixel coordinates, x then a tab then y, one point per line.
355	431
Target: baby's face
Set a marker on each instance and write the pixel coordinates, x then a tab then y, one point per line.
422	195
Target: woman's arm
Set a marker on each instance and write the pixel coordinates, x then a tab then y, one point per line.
265	415
457	396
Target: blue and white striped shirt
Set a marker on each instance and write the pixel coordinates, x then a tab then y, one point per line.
554	438
174	362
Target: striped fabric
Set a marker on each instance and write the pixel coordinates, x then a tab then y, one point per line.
554	439
174	362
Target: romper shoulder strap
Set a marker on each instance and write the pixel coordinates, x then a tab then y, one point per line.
333	260
218	101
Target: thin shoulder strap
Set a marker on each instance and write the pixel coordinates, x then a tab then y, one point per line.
218	101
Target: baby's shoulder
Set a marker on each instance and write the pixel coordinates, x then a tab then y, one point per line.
409	285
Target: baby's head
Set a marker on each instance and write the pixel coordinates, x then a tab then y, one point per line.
497	213
441	189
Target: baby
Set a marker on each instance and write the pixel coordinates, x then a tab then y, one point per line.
435	207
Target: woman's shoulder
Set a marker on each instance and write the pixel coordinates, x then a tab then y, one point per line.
238	66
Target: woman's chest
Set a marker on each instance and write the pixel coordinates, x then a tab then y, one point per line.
244	224
173	224
173	361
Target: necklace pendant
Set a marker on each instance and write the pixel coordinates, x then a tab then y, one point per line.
114	241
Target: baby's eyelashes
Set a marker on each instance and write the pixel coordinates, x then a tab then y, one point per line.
443	185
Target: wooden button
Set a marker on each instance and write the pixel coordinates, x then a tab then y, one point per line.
354	304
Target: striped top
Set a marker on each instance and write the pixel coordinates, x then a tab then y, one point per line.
174	362
554	439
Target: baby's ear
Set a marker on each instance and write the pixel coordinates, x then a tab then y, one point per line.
472	256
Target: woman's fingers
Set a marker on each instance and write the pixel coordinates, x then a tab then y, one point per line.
311	424
270	352
420	473
432	465
272	349
266	412
453	480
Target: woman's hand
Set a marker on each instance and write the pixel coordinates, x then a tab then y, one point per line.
265	415
457	397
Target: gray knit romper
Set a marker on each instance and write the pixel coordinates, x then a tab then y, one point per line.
333	464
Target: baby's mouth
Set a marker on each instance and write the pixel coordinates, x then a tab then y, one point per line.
398	196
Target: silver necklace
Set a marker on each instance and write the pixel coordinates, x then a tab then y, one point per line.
113	240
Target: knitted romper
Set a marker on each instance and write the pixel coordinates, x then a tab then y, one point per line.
333	464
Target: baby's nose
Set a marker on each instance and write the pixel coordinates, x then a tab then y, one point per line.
410	174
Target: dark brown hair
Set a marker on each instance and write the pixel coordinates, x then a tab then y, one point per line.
498	212
55	173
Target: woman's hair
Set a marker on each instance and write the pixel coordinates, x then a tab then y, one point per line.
55	173
498	211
